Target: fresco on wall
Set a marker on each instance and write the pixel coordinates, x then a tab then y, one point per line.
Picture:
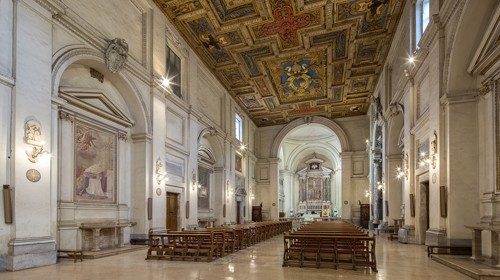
203	189
95	164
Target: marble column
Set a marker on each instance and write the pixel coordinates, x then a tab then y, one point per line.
393	192
462	158
346	186
273	192
288	190
32	240
142	183
375	192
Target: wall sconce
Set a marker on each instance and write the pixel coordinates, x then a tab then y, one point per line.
402	172
431	158
229	190
367	194
160	172
193	180
380	185
164	82
243	147
33	139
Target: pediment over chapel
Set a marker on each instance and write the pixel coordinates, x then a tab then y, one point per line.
95	102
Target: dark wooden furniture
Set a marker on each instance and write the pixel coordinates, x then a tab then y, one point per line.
206	244
449	250
329	244
257	213
364	215
71	254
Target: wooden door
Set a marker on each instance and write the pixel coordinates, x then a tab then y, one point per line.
364	215
238	212
172	210
257	213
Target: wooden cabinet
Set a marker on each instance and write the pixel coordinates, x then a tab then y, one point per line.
364	216
257	213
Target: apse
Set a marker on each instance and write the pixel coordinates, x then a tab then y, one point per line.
310	173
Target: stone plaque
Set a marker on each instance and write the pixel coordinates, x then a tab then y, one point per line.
158	191
33	175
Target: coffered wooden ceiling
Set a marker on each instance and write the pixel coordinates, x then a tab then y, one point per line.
284	59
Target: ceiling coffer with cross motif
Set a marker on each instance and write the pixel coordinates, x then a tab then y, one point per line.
283	59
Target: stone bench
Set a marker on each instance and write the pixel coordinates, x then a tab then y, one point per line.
477	252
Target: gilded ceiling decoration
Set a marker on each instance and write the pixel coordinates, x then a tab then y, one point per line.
283	59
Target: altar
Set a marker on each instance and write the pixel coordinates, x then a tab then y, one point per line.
315	190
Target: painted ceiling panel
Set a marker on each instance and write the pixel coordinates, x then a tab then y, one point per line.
283	59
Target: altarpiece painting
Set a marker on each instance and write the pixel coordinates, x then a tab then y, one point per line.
95	164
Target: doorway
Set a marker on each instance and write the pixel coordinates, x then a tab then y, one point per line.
238	212
172	210
424	218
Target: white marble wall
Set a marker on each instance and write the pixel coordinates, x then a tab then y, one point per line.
440	94
49	37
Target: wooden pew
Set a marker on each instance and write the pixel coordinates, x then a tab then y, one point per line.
329	244
210	243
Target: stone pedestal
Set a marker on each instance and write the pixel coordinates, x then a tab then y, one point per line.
436	237
406	234
31	252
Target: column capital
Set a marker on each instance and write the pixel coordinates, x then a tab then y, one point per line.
142	137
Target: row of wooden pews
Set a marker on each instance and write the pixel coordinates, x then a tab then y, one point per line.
207	244
329	244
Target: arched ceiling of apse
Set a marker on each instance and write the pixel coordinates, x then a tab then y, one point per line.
303	136
296	159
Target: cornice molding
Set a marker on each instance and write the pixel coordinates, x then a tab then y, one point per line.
463	96
7	81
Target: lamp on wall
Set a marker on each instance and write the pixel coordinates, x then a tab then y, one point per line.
431	158
243	147
367	194
193	180
34	153
381	185
402	172
229	190
165	83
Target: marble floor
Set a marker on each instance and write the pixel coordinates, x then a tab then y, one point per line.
259	262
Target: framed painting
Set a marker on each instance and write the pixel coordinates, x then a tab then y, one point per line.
412	205
95	155
203	189
238	163
443	202
387	208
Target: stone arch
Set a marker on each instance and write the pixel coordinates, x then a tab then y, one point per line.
121	80
337	130
472	18
394	129
210	134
